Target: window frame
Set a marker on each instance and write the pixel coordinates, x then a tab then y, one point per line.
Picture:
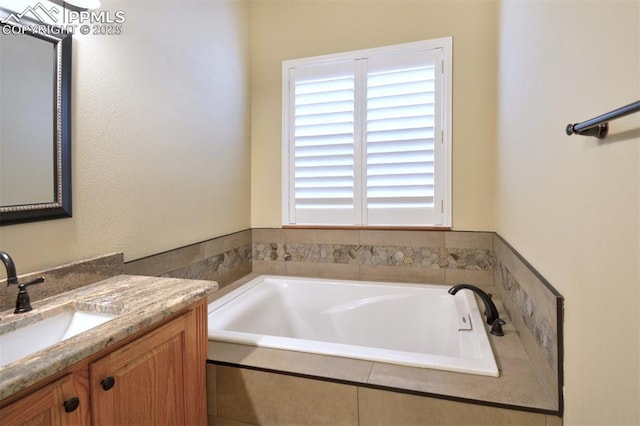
444	167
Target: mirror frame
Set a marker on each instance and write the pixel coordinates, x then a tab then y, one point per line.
61	205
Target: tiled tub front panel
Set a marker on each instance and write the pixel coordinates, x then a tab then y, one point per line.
239	396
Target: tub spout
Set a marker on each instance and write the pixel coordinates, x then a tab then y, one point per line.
490	309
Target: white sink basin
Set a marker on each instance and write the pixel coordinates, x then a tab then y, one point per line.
31	338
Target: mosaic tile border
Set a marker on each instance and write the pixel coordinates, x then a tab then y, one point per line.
223	259
538	324
225	267
354	254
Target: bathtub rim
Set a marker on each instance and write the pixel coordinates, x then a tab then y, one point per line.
486	366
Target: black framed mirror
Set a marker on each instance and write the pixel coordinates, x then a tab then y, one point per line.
35	120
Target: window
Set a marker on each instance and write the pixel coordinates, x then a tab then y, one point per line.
367	137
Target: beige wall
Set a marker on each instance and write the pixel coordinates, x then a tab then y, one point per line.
293	29
161	150
570	204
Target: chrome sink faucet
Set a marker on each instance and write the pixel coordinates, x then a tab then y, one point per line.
23	303
490	310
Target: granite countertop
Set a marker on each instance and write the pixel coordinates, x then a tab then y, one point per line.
137	301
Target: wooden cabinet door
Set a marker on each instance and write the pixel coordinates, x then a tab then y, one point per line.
158	379
63	402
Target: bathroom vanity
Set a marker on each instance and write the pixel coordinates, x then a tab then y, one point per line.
144	366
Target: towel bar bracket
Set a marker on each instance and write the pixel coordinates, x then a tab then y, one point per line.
599	126
600	131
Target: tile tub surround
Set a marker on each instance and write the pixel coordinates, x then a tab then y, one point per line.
480	258
64	278
451	257
224	260
536	309
518	387
397	255
408	256
138	303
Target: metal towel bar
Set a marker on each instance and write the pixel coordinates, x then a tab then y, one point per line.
599	125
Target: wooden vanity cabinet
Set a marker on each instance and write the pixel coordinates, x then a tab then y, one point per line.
156	379
63	402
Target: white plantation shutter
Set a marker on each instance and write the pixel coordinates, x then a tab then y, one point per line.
323	149
363	137
402	124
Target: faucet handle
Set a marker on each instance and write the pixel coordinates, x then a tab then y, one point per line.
33	281
23	302
28	283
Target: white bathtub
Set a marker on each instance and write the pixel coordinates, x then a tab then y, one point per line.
409	324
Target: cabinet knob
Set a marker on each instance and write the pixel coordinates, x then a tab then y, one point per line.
108	383
71	405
